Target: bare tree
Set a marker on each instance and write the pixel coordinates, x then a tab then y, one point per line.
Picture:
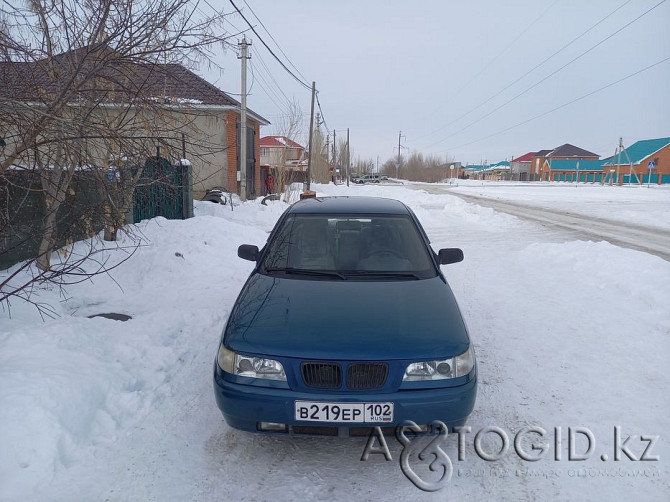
320	168
289	125
85	82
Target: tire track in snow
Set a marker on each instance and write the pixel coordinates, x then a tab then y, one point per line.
651	240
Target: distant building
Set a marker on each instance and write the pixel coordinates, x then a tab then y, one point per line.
283	159
577	170
520	167
566	151
632	165
497	172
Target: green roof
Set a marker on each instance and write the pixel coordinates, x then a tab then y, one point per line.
640	150
571	164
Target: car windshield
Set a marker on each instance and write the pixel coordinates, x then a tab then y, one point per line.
340	246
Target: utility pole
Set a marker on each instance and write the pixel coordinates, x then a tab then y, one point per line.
335	154
311	133
400	147
328	155
348	156
242	168
618	164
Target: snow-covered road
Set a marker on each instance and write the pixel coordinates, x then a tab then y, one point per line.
568	333
650	239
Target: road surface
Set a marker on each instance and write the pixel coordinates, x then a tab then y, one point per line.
651	240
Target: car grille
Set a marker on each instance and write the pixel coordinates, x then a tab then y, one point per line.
322	375
366	376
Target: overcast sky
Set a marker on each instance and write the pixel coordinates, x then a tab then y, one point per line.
443	72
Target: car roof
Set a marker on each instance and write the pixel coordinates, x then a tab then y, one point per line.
349	205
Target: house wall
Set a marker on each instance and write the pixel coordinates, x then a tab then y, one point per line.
231	149
662	167
520	170
275	154
545	173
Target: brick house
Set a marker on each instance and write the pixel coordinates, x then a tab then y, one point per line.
573	170
632	166
283	159
198	121
540	170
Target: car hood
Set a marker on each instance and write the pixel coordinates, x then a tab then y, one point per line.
348	320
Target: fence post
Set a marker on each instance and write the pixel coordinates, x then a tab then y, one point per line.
187	188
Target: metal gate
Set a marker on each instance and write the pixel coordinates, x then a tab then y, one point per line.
160	191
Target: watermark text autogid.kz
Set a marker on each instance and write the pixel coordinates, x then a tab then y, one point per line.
492	443
530	444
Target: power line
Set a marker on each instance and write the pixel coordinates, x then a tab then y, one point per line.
267	88
529	71
268	48
566	104
495	58
323	118
548	76
269	73
276	43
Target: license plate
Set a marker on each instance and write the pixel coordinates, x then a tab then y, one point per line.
313	411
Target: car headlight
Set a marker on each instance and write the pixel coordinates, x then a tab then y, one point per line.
441	369
248	366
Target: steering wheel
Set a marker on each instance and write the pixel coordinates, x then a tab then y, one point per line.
386	252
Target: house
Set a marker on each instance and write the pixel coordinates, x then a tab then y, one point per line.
633	164
283	159
566	151
168	110
520	167
498	171
577	170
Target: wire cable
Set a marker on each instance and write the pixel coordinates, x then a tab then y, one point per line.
268	48
529	71
495	58
566	104
276	43
548	76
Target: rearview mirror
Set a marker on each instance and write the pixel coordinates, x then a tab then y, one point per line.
449	255
248	252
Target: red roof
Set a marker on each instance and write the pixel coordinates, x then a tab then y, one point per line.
278	141
525	158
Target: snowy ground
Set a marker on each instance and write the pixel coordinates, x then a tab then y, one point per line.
568	333
637	204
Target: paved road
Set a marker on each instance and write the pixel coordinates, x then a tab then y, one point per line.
642	238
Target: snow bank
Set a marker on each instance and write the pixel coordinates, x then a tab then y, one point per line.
567	333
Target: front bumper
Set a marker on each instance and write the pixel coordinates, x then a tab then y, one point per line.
244	406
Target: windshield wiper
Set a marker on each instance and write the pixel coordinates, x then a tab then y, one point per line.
384	274
302	271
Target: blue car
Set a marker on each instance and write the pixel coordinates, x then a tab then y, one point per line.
345	323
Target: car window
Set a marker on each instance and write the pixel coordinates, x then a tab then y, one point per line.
357	245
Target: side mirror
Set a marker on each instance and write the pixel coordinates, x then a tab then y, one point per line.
449	255
248	252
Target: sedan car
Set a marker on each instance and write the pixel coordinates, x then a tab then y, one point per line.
346	322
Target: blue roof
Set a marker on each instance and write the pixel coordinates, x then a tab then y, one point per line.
571	164
481	167
640	150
